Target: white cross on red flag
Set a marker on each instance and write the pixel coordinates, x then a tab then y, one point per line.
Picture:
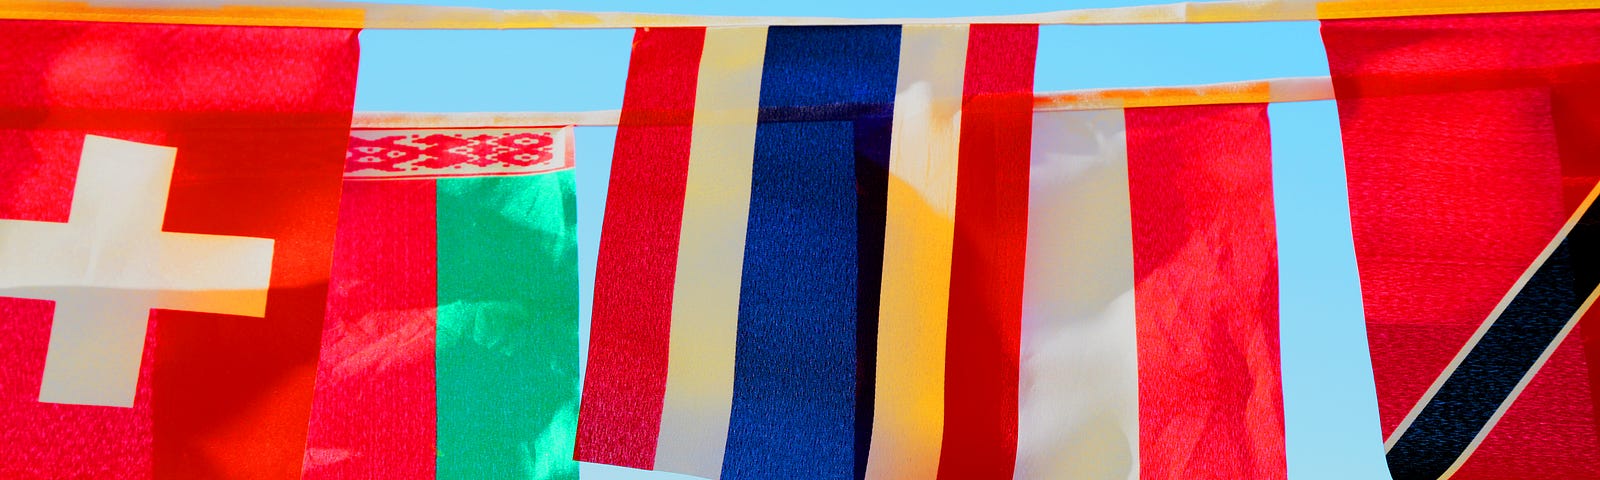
168	196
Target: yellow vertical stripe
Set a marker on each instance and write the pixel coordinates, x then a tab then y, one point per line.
716	207
908	424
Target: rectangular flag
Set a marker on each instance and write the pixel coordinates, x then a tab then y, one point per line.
168	197
451	345
1472	144
1149	338
857	252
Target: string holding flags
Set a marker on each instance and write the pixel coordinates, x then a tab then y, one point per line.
832	248
1276	90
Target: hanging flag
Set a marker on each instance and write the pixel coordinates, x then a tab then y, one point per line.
1471	146
857	252
1149	336
451	346
784	130
167	203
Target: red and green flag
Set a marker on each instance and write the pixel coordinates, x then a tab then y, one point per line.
451	344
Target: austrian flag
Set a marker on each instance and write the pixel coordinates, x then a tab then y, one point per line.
167	204
858	252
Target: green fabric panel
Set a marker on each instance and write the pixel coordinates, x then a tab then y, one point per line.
507	351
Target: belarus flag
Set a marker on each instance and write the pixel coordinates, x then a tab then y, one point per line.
451	346
858	252
167	204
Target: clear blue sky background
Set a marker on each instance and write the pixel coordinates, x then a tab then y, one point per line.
1330	407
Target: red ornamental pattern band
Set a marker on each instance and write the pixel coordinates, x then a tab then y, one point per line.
433	153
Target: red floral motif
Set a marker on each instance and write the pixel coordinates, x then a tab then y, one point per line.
419	152
382	154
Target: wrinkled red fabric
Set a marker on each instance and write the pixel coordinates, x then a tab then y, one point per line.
1469	140
620	415
375	411
1205	258
987	263
259	118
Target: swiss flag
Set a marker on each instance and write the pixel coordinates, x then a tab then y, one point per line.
168	196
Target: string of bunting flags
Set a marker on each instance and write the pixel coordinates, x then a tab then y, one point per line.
337	14
1278	90
831	248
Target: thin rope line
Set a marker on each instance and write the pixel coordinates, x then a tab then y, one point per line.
333	14
1296	89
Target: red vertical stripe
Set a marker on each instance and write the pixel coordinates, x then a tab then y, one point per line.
1206	292
1469	140
259	118
621	412
374	412
991	230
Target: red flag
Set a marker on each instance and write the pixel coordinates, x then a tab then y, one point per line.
1470	143
167	206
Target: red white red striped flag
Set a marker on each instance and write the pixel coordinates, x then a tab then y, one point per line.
1150	313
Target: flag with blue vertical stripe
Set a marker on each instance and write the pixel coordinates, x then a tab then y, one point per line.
859	252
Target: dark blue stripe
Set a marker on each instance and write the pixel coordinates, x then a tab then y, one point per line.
845	112
795	409
1507	351
872	181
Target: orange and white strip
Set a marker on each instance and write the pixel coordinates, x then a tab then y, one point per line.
1277	90
332	14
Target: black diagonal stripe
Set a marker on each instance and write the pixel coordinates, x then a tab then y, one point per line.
1536	315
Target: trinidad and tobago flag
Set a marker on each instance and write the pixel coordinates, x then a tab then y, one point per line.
1473	150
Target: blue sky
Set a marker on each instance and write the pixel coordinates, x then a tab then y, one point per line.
1330	407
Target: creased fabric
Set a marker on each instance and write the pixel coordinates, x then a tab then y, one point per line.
1469	146
875	260
631	326
792	134
450	349
255	120
1206	292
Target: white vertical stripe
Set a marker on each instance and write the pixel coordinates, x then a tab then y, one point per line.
919	233
1078	397
716	208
